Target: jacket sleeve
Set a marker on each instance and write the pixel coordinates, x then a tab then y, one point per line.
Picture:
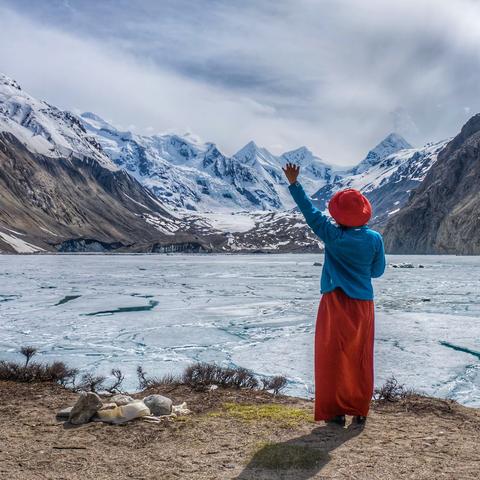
316	220
379	263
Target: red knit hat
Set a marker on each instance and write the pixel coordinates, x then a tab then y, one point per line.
350	208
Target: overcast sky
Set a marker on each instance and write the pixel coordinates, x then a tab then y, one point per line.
334	75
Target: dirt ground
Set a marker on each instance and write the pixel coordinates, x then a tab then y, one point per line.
236	435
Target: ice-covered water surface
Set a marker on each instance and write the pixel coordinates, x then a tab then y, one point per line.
165	311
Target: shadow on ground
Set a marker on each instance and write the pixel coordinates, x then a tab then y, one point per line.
298	458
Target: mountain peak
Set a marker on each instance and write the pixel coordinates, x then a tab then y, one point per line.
298	155
250	147
392	143
471	127
248	153
96	121
394	140
92	116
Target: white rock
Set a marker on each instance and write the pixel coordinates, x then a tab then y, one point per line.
124	413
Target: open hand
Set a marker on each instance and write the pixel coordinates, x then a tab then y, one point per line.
291	171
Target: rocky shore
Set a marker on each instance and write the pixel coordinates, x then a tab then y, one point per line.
234	434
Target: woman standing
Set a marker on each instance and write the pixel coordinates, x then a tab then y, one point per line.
344	333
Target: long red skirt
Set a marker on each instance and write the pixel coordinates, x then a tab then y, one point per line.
344	338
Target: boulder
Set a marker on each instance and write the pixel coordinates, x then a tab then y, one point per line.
86	407
121	399
158	404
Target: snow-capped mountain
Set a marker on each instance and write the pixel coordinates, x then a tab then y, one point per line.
315	172
59	191
70	182
43	128
387	176
188	174
391	144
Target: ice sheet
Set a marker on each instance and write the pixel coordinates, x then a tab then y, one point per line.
97	312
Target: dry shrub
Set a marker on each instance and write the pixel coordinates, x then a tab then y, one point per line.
91	383
56	372
28	353
118	378
391	391
201	375
145	382
198	376
276	384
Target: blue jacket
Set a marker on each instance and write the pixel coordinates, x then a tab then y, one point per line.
353	256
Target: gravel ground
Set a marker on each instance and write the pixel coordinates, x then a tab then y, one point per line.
235	434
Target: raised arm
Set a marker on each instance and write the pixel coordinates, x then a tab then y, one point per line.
316	220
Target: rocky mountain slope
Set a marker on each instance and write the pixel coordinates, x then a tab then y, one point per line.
46	129
76	204
387	176
60	191
442	215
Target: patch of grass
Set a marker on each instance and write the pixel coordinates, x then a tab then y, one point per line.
282	415
284	456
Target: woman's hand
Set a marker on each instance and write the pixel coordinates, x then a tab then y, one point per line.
291	171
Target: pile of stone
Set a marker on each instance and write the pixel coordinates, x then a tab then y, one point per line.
120	409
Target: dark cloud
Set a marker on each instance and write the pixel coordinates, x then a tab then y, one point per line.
332	74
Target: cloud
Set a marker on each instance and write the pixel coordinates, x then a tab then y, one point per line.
330	74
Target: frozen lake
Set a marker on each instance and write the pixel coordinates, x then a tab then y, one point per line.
96	312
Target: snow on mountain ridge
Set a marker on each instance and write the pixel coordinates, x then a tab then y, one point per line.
188	174
388	182
4	80
43	128
198	176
